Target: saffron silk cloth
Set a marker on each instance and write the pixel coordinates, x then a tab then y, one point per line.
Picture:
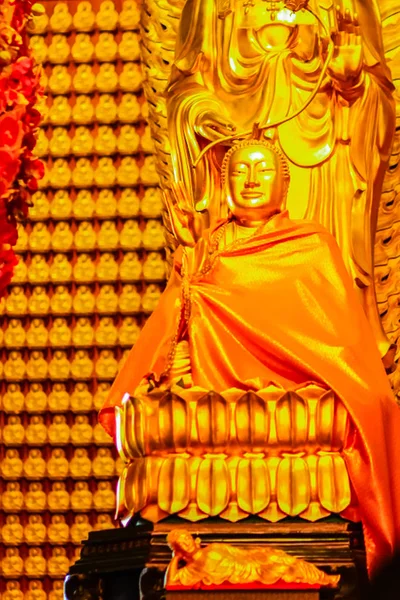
280	307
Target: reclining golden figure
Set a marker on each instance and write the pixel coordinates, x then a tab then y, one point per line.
261	299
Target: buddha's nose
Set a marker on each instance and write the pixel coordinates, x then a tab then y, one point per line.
251	184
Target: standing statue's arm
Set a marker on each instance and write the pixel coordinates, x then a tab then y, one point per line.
186	222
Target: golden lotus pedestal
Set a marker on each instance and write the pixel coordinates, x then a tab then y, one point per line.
248	469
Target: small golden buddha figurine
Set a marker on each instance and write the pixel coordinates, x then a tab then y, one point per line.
128	140
38	23
61	205
129	299
103	521
80	529
85	236
81	398
151	298
61	301
83	333
58	498
106	365
129	109
128	172
22	241
80	464
128	47
12	564
60	80
35	565
107	268
84	205
13	432
36	367
128	203
61	19
41	148
101	437
57	591
60	333
84	300
106	204
14	367
106	332
128	332
105	141
104	497
108	236
130	78
62	237
40	208
131	235
103	389
107	78
83	49
57	465
84	79
83	175
84	268
105	172
84	18
81	431
15	334
59	50
37	334
13	399
12	499
148	171
82	365
107	299
13	591
58	431
130	268
12	532
60	111
39	301
82	142
129	16
60	142
39	48
58	563
58	530
36	399
35	465
35	532
60	174
154	267
107	16
83	110
59	367
39	238
35	591
36	431
35	498
106	109
81	497
58	399
146	141
106	48
103	463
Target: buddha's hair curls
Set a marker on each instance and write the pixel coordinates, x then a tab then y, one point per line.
284	165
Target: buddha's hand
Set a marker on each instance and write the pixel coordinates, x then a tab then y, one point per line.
186	222
345	68
213	126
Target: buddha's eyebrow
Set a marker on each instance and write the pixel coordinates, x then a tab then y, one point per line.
257	162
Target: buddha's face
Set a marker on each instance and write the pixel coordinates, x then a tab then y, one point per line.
256	188
185	544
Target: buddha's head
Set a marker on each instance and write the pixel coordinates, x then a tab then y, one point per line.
182	542
256	178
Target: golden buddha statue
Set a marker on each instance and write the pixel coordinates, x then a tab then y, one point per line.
58	499
38	23
84	205
107	299
82	365
82	49
35	564
84	300
37	334
129	16
35	465
104	497
14	335
58	563
105	141
129	109
81	497
60	111
106	109
107	16
106	332
36	366
129	300
57	591
84	79
20	272
131	235
59	49
35	531
151	298
83	110
128	331
84	268
80	529
60	142
14	367
154	267
105	173
12	532
107	78
36	431
39	301
62	237
58	465
13	591
60	174
106	365
151	204
58	531
83	333
59	431
40	208
35	498
61	19
82	142
39	238
61	205
108	236
128	47
218	564
153	236
60	80
59	366
130	268
106	48
60	333
58	399
13	399
61	300
12	565
80	465
35	591
106	204
81	398
103	521
38	272
103	464
128	140
107	267
12	498
101	394
13	431
39	48
83	173
36	399
131	77
85	236
146	141
128	203
84	18
148	171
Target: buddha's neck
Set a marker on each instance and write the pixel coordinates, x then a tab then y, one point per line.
254	223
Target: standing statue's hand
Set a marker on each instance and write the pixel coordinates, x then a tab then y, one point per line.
186	222
347	61
213	126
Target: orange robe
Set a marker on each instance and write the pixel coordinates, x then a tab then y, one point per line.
280	307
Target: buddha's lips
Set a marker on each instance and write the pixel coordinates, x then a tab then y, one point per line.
251	195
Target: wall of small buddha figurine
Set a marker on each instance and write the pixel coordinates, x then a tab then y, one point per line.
91	270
